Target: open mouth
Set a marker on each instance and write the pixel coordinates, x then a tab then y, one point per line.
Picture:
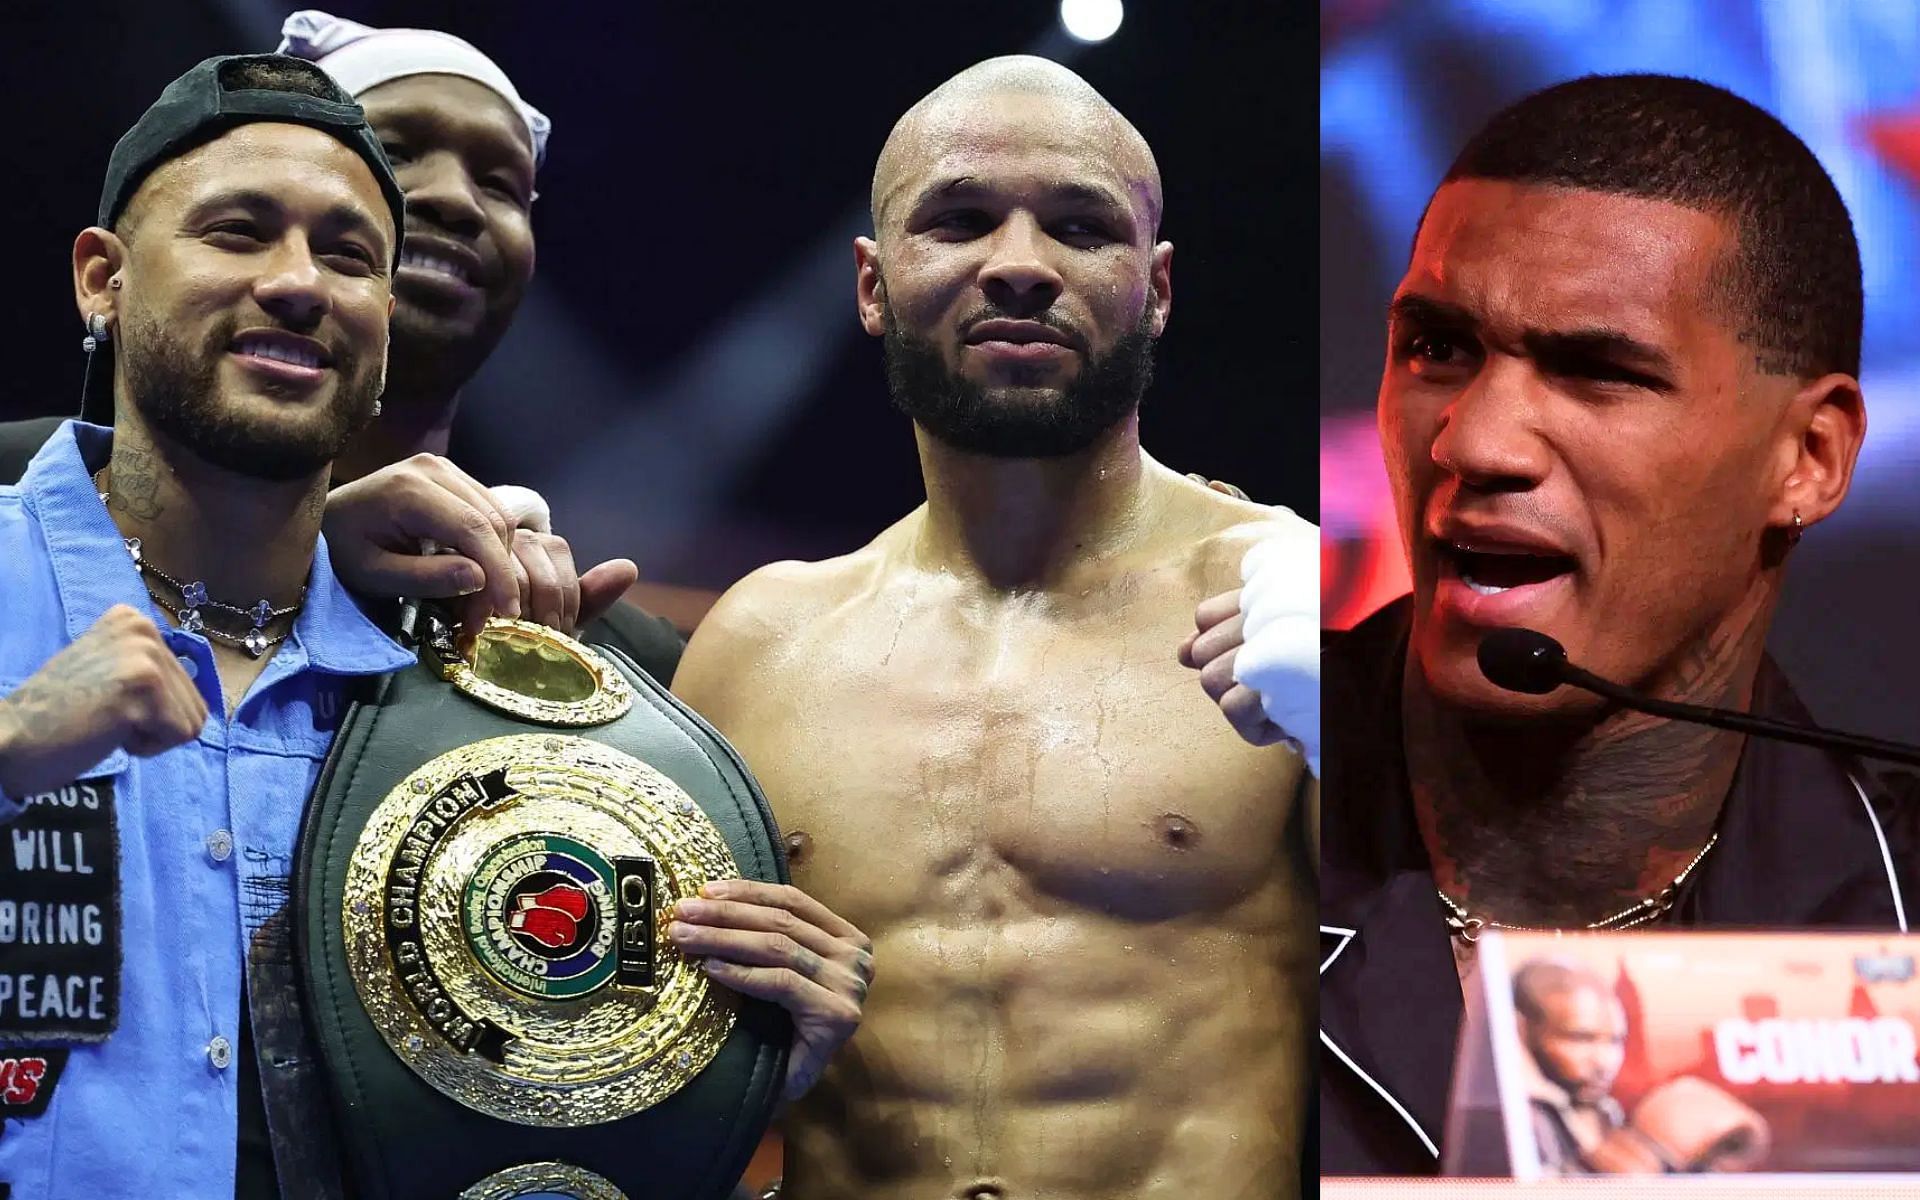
280	347
1490	571
433	264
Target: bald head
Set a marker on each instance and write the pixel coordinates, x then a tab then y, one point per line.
1535	984
1031	101
1015	196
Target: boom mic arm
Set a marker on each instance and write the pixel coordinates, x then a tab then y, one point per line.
1524	660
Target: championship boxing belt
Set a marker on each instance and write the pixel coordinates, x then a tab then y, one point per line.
486	873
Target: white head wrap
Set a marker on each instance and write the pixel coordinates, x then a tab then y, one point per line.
360	57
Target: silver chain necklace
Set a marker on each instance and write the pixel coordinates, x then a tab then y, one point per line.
193	599
1468	928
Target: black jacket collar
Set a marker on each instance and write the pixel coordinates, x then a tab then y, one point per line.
1800	845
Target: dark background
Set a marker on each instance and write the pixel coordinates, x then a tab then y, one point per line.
686	381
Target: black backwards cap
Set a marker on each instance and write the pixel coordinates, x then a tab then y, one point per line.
200	106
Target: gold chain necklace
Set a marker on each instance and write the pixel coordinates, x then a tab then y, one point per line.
1468	928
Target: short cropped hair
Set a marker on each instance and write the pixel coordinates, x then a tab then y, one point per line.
1792	287
282	75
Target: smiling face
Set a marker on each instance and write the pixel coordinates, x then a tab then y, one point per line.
1015	274
464	159
1578	440
252	322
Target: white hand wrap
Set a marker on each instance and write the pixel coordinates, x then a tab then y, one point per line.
526	507
1280	657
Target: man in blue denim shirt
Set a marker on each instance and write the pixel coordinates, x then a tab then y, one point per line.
160	730
146	1104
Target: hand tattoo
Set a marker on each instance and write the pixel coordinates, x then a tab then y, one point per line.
807	962
47	702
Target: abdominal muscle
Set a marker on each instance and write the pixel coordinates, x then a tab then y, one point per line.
1072	1057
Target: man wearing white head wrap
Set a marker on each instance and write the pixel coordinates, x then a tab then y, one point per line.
465	148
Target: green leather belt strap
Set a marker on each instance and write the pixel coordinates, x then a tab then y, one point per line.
404	1138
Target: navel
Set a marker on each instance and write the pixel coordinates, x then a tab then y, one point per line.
799	846
1177	831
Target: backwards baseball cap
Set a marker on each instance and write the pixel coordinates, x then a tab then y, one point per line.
216	96
213	98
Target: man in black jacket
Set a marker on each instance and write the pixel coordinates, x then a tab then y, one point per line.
1620	384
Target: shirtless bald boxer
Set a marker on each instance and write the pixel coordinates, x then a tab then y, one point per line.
1090	901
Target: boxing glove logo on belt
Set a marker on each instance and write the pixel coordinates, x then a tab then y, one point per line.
546	914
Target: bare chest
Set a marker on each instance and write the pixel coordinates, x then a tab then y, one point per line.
926	768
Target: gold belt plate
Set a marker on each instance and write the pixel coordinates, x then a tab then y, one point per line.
506	913
535	673
542	1178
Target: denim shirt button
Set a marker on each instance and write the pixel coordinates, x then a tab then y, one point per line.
219	1053
219	845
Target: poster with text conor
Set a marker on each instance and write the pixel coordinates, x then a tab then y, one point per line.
1670	1053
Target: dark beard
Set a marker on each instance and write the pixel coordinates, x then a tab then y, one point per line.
175	392
968	417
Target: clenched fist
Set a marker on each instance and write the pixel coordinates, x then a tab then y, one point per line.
117	687
1257	648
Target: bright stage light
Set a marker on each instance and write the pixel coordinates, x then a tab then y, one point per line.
1091	20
